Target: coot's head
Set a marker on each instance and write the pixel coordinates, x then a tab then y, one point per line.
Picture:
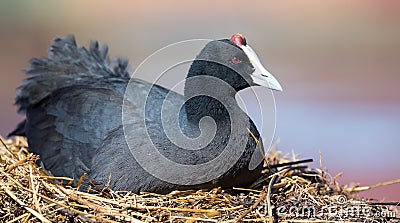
233	61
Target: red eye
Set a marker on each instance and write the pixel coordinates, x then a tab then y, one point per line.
236	60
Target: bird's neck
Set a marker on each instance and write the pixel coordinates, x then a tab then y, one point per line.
207	97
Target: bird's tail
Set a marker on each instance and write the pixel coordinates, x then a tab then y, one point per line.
67	65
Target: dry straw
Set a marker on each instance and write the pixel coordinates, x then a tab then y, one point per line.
287	192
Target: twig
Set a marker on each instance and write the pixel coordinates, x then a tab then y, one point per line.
269	197
78	184
265	158
389	203
194	219
19	217
252	207
291	163
34	195
364	188
7	149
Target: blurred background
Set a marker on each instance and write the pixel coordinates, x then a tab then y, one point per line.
338	62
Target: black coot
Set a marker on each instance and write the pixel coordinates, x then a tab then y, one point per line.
75	98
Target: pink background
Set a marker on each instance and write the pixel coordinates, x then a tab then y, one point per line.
338	61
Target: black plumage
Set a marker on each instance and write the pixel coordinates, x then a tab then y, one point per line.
74	102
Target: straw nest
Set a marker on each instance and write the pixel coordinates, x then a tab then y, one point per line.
287	192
